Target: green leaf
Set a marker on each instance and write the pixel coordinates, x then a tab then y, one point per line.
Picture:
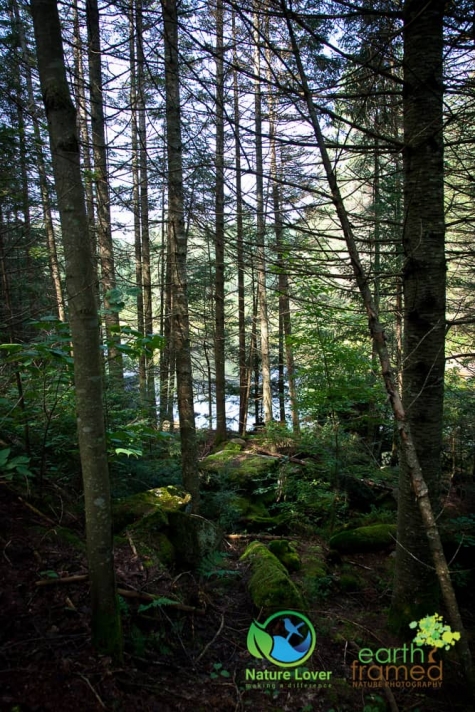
259	643
11	347
4	455
157	603
128	451
18	460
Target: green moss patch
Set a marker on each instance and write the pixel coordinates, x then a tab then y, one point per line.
286	553
163	499
372	538
241	468
270	586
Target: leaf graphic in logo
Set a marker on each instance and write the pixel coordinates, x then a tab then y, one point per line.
259	643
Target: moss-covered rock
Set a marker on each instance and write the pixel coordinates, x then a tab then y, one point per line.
270	586
286	553
161	499
241	468
193	537
250	509
151	540
314	574
371	538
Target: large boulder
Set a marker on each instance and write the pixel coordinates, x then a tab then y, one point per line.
160	500
239	467
371	538
193	537
150	537
254	515
270	585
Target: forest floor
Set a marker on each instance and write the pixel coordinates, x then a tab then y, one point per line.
178	660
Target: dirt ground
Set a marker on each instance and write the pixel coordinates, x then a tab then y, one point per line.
192	658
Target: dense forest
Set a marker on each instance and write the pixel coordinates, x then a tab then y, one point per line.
236	355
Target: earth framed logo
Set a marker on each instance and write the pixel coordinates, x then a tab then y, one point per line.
286	639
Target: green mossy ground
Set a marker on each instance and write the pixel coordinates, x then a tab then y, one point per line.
372	538
270	585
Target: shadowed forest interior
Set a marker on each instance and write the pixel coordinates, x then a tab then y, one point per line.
236	355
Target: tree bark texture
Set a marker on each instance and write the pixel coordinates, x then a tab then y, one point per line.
424	278
104	227
261	229
178	254
219	336
80	285
83	128
144	210
136	204
244	369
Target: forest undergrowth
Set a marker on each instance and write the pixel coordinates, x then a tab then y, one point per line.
185	631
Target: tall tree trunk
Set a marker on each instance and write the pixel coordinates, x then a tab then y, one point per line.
167	358
104	227
219	357
25	207
40	162
144	210
243	370
136	205
178	242
80	280
285	322
261	229
424	279
83	128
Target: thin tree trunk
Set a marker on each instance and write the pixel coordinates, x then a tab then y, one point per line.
40	162
136	206
261	229
167	359
243	370
285	323
144	210
414	474
104	227
25	206
178	240
80	281
219	357
83	127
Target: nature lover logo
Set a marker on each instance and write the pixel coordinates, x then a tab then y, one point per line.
286	639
